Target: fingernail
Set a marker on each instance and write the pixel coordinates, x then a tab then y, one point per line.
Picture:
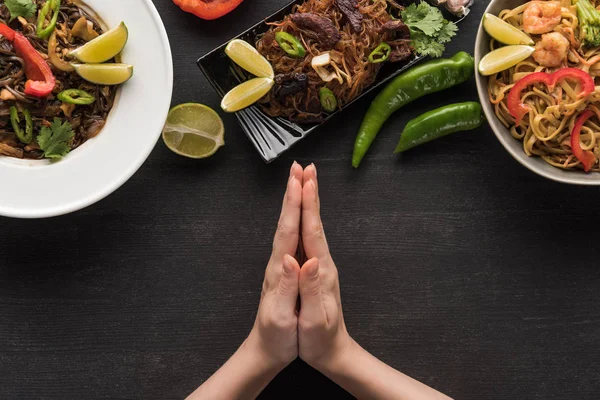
292	167
312	182
315	168
287	264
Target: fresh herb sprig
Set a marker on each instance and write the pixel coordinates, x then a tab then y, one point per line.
429	31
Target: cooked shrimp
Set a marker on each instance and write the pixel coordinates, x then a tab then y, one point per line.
541	16
551	50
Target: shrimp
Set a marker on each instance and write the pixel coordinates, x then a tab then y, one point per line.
551	50
541	16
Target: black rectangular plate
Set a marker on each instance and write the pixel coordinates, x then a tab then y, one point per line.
272	136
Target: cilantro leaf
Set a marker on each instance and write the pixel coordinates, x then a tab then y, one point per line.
447	32
20	8
423	17
428	29
425	45
54	140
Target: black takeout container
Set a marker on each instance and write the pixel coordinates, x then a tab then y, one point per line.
272	136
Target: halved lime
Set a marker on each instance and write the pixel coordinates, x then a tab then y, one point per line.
193	130
105	74
503	31
246	94
247	57
104	47
504	58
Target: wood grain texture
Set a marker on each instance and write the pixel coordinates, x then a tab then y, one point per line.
458	266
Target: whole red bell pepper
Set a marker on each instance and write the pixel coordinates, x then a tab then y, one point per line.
587	158
208	9
518	109
40	79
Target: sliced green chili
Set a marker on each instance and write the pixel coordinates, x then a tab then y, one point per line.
76	96
380	54
328	101
51	7
24	135
290	44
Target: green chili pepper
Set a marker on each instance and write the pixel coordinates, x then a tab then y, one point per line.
76	96
290	44
380	54
430	77
328	101
440	122
24	135
51	6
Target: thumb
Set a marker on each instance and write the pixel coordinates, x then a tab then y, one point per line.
310	290
288	284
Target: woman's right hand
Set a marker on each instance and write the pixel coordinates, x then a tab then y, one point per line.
322	335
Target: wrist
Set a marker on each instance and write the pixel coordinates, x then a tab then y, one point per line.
255	349
340	358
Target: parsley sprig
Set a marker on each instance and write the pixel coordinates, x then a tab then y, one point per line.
54	140
429	31
20	8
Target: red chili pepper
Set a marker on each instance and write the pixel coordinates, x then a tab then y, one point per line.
208	9
586	157
40	81
516	107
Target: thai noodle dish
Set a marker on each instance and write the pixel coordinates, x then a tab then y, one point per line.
327	52
549	99
58	78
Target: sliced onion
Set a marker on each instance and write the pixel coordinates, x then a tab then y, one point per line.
321	60
54	58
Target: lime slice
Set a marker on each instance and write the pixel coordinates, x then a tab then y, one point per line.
105	74
104	47
503	58
247	57
246	94
504	32
193	130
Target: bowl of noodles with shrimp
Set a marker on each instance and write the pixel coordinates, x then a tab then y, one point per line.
551	121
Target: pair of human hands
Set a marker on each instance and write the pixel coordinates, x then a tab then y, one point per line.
316	332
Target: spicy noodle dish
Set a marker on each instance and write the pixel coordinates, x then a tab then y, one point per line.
543	68
58	76
327	52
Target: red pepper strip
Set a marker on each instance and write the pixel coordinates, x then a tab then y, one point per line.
516	107
40	81
586	157
208	9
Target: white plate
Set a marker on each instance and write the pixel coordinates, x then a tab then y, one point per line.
38	189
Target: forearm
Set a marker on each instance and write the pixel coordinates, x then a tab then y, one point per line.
243	376
366	377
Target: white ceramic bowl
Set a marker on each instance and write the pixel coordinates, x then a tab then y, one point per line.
513	146
38	189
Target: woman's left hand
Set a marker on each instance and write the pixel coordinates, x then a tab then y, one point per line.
275	331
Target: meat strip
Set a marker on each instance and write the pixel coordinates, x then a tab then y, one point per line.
350	10
288	84
400	51
396	26
323	29
10	151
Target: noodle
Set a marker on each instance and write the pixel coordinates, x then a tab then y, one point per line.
86	120
352	51
546	130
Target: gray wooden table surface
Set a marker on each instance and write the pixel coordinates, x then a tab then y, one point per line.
458	266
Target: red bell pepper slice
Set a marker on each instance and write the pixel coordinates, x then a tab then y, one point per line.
518	109
587	158
40	79
208	9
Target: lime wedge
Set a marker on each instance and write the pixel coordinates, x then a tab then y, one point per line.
105	74
503	58
503	31
104	47
247	57
193	130
246	94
